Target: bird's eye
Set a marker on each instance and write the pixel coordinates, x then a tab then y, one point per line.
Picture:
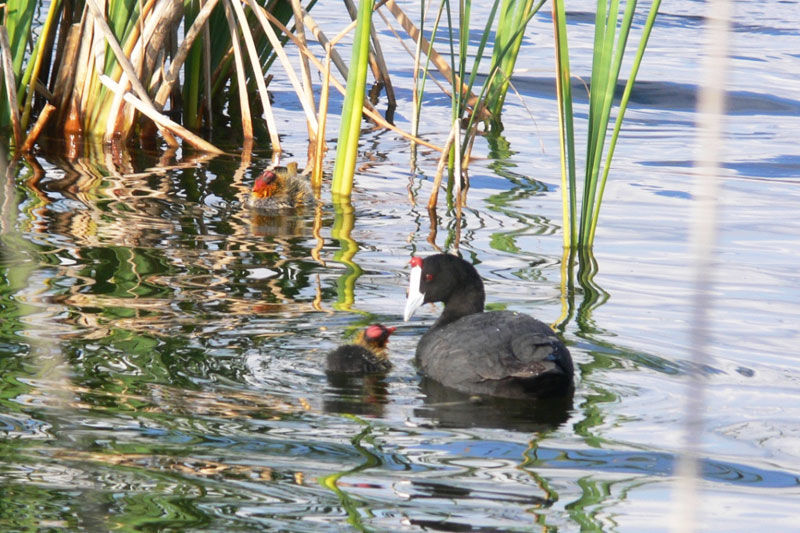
428	277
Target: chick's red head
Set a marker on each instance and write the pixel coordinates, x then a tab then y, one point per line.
265	184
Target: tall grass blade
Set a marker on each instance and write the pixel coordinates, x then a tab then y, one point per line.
515	15
603	86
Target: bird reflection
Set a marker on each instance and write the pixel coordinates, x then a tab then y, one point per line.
454	409
356	395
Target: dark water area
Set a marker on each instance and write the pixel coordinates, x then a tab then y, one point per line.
162	348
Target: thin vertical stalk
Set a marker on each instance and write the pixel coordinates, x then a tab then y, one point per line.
316	176
308	91
566	126
350	128
416	96
11	86
207	66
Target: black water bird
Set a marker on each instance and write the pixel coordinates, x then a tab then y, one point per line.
496	353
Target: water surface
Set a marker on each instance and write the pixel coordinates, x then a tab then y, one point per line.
162	349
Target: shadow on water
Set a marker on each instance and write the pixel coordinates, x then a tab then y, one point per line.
668	96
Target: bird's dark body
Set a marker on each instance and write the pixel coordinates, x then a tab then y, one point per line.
356	360
496	353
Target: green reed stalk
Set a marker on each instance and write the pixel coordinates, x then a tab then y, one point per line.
610	39
350	128
566	127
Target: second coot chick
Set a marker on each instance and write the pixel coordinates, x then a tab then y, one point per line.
279	188
367	355
496	353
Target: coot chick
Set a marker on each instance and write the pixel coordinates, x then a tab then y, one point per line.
279	188
496	353
367	355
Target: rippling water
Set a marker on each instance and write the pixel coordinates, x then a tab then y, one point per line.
162	349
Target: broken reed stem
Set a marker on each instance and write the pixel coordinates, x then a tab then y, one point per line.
316	176
439	62
255	65
264	17
308	90
437	179
367	109
162	121
241	81
376	62
174	72
323	40
373	65
44	116
382	68
418	50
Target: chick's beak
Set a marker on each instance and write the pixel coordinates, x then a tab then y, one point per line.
414	298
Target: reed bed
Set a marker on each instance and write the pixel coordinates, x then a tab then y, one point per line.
118	72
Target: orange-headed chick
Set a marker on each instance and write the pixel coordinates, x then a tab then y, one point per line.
279	188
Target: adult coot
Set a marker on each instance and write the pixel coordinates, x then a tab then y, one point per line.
495	353
367	355
279	188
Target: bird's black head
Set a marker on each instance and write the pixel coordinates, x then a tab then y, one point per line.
445	278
